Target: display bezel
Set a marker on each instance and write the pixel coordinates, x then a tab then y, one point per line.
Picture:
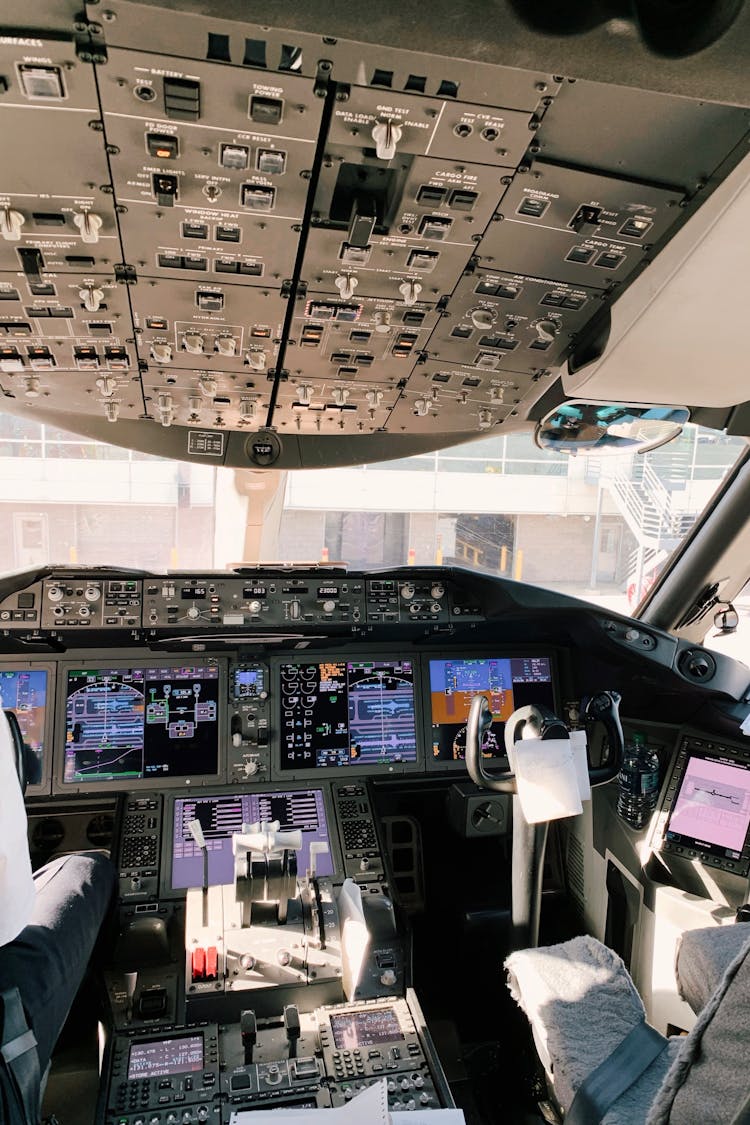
166	890
138	660
485	652
704	848
13	664
319	773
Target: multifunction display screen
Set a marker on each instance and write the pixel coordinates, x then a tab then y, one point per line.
221	817
508	682
347	712
365	1029
125	724
711	811
25	693
160	1058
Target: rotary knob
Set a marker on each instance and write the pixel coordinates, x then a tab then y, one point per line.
254	607
251	768
92	593
55	593
295	610
388	978
437	590
247	962
193	612
483	318
407	591
329	607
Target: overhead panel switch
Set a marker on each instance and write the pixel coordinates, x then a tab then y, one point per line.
89	225
386	136
10	224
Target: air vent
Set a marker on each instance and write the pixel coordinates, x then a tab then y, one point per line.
99	830
697	665
47	834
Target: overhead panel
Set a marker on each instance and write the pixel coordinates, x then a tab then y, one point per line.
212	165
572	225
512	319
210	225
56	213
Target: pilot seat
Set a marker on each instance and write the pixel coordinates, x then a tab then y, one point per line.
605	1064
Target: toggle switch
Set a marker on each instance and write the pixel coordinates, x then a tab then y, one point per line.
89	225
485	419
161	353
193	342
346	283
225	345
292	1028
106	385
249	1033
111	410
410	291
386	136
422	407
208	386
91	297
256	360
10	224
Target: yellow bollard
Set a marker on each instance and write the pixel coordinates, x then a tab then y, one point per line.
518	568
503	559
72	553
173	558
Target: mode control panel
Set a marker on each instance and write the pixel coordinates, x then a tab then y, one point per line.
249	723
398	600
195	603
81	601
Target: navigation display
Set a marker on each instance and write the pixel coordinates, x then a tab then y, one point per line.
711	812
508	682
125	724
221	816
159	1058
347	713
365	1029
25	693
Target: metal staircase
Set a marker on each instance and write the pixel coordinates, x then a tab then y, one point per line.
644	489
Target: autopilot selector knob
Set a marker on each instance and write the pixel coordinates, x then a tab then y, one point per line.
254	607
437	590
92	593
295	609
55	593
408	591
193	612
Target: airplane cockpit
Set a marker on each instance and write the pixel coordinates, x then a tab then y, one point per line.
390	755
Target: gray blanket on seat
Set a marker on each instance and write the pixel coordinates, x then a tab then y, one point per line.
709	1080
581	1003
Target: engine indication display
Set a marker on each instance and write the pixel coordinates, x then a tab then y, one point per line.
508	682
136	723
222	816
347	712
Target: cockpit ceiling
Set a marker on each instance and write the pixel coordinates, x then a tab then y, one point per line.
248	246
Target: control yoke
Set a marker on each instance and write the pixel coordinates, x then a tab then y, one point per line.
530	840
602	707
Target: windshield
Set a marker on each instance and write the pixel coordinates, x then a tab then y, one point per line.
597	528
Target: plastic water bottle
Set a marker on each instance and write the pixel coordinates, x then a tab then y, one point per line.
638	782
